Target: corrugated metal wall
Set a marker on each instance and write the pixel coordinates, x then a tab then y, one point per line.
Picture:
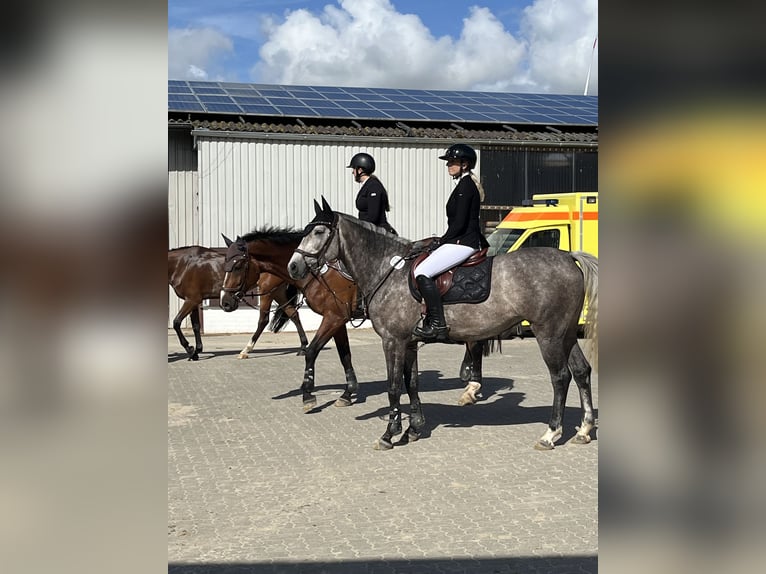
248	183
183	221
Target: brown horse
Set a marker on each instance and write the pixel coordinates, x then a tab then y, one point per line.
196	273
330	294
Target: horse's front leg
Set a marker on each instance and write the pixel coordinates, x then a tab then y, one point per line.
263	320
344	352
323	334
417	418
395	352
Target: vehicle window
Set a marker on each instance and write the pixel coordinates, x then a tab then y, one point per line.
501	240
545	238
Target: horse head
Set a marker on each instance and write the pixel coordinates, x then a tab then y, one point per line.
319	243
240	272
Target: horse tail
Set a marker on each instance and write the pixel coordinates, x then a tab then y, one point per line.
487	346
589	265
280	318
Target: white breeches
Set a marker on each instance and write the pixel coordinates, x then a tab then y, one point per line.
444	257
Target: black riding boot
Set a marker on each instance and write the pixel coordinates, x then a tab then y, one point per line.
434	327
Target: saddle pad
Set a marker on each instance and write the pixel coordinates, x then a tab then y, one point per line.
469	284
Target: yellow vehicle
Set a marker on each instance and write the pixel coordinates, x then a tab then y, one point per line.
568	221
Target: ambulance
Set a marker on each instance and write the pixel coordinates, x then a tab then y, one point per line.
568	221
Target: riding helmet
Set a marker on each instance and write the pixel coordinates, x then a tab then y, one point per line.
363	160
461	152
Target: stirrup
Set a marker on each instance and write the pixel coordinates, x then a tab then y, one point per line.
431	333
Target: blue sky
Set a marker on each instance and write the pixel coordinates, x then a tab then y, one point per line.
535	46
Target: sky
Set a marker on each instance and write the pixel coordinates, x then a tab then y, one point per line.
526	46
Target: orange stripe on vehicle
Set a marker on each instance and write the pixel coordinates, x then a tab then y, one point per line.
521	216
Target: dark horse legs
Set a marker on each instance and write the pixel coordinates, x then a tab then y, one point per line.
565	360
401	361
189	307
330	327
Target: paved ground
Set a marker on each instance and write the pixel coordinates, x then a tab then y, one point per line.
256	485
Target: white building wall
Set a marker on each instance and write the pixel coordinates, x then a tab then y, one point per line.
249	183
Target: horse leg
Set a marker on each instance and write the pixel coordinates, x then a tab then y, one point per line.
474	356
465	366
555	353
395	351
417	418
292	312
186	308
581	371
197	334
263	320
344	352
320	339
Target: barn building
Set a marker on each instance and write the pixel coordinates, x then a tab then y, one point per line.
242	156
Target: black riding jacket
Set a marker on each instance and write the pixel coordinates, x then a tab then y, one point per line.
372	201
463	224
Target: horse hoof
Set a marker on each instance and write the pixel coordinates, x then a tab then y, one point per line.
543	445
383	444
309	405
581	439
194	357
243	356
466	400
341	402
409	436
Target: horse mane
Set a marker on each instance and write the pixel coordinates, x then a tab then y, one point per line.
379	230
278	235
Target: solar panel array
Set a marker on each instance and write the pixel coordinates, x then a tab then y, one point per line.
380	103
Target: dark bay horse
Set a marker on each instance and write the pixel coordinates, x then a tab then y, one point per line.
196	273
545	286
328	293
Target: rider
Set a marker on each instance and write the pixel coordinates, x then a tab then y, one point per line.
372	199
462	239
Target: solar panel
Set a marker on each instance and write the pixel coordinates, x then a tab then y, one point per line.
381	103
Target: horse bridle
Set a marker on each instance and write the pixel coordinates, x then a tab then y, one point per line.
239	290
322	250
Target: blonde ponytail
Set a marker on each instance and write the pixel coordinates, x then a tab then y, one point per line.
478	185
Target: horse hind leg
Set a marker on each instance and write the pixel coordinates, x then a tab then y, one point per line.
186	308
472	364
581	371
555	352
197	334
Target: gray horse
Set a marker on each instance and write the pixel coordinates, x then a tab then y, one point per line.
543	285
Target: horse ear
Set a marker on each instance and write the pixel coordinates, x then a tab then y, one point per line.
317	209
326	206
227	240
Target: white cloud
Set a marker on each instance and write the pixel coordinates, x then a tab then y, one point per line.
369	43
197	53
560	35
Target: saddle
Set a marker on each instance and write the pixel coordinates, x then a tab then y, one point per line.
469	282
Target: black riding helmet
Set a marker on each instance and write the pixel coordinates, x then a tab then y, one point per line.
461	152
364	161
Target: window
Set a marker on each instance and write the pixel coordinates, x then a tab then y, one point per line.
545	238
